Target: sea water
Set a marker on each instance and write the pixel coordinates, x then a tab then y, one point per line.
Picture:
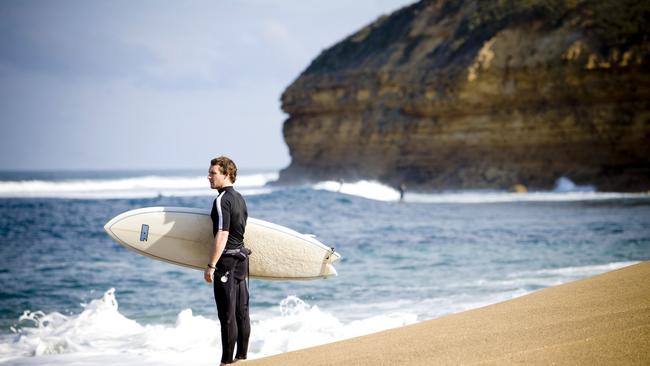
71	296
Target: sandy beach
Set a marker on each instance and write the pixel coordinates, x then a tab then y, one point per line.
603	320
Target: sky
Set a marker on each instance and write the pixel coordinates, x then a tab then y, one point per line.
144	85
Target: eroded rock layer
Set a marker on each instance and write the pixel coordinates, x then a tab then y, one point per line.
480	94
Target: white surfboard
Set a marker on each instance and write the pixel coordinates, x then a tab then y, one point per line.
183	236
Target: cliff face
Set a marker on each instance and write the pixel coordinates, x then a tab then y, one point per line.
480	94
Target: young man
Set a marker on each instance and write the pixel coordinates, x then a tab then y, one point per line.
228	265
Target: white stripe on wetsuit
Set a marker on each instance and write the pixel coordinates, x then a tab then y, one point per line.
220	213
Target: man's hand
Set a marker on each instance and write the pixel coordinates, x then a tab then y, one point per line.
208	275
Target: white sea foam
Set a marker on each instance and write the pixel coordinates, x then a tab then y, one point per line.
364	188
565	191
564	184
135	187
503	197
255	184
101	335
548	277
571	273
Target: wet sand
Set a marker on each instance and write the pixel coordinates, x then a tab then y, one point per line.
603	320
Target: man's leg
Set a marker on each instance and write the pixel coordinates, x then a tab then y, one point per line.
243	320
225	295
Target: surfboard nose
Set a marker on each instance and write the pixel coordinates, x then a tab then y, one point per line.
108	228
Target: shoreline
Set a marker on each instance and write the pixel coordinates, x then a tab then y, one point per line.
603	319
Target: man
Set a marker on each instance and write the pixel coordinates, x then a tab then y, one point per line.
402	190
228	263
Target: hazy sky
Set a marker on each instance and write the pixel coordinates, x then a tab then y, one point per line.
158	84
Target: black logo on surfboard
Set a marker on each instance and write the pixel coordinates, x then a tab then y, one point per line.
144	232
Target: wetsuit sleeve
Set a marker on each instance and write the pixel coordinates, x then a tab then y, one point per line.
222	223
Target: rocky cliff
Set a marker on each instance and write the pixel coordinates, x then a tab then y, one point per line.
480	94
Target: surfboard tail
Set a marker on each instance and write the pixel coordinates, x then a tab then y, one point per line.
329	271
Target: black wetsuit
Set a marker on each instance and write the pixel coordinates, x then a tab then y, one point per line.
229	213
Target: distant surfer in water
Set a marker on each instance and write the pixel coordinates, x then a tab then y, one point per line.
402	191
228	263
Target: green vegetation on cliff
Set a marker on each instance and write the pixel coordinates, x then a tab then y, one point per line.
613	24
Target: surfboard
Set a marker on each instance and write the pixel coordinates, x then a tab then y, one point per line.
183	236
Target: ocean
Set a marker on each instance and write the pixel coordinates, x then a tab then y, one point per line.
71	296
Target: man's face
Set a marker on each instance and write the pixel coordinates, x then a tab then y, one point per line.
216	178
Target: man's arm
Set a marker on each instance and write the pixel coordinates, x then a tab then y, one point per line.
215	252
